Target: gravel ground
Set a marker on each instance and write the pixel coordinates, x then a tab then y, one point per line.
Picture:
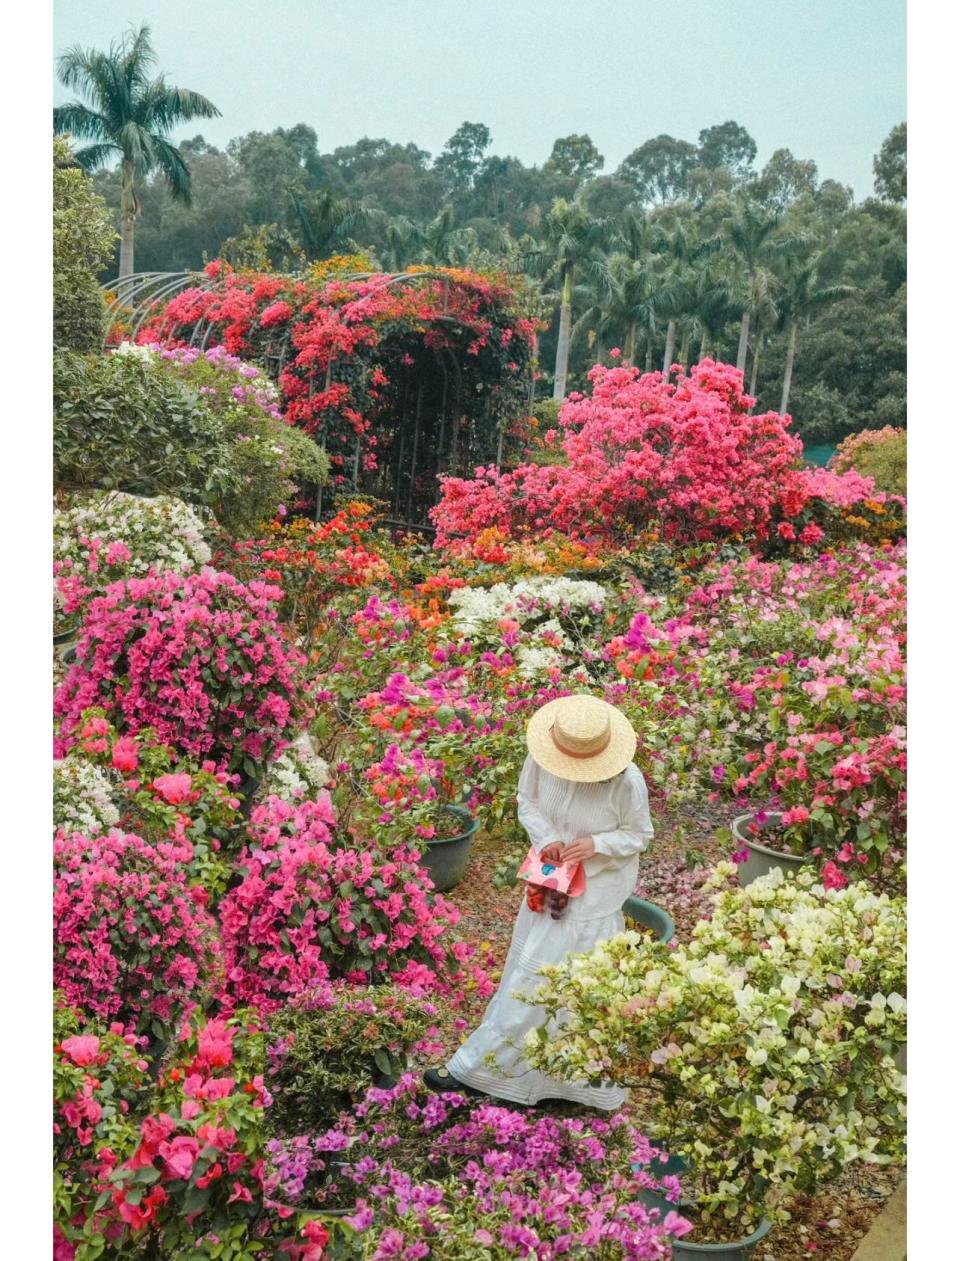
828	1226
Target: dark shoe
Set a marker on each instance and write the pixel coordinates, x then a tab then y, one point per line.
443	1083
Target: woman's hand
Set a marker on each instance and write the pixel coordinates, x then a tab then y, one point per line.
551	853
579	851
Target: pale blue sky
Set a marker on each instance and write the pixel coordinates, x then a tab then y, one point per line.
824	78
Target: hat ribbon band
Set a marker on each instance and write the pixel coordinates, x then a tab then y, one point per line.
571	753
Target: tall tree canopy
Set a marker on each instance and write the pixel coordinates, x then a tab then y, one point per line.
128	114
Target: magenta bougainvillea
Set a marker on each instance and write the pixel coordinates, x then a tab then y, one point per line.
199	658
688	456
312	906
132	942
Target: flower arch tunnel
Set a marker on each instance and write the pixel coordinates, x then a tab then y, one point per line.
402	377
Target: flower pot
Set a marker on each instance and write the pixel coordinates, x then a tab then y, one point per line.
68	653
729	1250
64	637
763	860
447	858
654	917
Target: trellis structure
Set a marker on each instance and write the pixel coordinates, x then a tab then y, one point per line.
442	419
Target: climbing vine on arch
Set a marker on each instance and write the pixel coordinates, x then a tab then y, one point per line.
400	377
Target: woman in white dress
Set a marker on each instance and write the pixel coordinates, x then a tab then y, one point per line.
580	798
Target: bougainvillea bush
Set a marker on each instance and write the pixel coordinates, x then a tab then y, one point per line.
132	943
100	1085
198	658
273	462
766	1044
107	536
153	792
429	1177
688	458
184	1173
312	905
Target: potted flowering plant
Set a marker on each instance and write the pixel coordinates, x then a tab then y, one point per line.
843	806
412	797
766	1045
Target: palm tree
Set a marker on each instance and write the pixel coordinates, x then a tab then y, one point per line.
751	234
801	296
712	304
404	243
327	223
444	243
129	114
572	244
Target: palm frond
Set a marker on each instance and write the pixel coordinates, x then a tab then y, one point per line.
93	156
80	121
163	107
173	168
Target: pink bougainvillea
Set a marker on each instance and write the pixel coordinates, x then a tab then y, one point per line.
309	908
131	942
687	455
199	658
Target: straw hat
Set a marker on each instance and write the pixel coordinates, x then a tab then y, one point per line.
581	738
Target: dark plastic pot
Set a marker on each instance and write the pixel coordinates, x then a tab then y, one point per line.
447	858
732	1250
763	860
64	637
653	917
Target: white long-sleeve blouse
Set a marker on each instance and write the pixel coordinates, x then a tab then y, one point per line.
615	812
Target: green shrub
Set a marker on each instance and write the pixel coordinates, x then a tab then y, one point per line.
877	453
272	460
83	244
121	423
323	1058
79	311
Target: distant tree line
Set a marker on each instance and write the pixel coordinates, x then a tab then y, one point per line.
684	250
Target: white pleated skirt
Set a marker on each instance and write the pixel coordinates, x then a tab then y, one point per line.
537	940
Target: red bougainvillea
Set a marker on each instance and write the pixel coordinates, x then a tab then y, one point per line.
340	346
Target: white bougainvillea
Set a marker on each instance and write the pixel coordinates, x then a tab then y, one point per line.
767	1042
82	800
298	773
110	535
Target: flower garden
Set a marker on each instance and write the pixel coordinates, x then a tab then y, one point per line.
274	711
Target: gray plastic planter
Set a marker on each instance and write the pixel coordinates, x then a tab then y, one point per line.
762	860
447	859
650	916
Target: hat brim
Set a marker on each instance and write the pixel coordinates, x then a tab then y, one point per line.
617	755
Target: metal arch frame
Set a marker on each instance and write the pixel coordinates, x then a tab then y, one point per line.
143	290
